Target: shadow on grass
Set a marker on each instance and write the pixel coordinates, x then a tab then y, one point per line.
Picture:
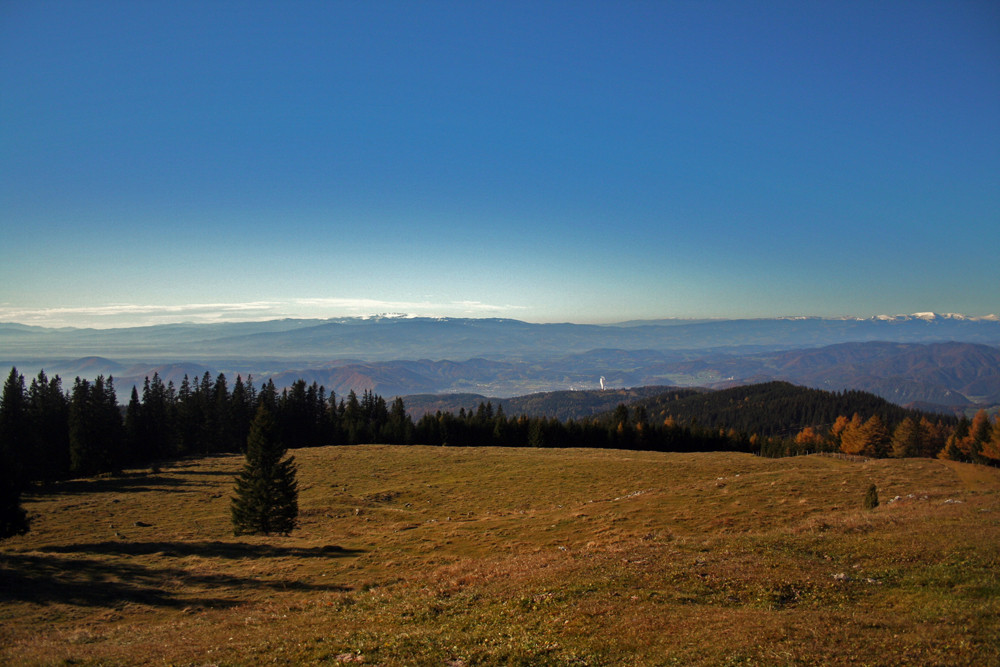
207	473
52	577
127	483
234	550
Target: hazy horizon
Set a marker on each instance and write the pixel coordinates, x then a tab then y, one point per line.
550	162
119	317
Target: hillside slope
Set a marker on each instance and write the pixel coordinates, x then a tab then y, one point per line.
771	408
530	556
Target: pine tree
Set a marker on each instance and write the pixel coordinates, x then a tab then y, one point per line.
96	433
48	412
14	436
13	518
266	499
135	443
240	414
15	432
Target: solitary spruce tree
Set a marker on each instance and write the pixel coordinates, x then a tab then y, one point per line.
266	499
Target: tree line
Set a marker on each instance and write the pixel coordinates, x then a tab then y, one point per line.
975	440
48	433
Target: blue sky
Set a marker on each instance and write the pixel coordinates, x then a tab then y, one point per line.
547	161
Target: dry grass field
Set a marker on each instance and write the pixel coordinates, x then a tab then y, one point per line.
467	556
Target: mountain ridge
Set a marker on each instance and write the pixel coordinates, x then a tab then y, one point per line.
393	338
942	376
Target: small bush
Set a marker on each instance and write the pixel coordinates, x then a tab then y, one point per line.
871	498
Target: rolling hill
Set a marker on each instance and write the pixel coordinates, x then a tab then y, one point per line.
475	556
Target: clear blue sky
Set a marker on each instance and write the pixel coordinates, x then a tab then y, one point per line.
548	161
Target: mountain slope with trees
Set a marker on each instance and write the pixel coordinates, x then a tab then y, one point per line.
771	408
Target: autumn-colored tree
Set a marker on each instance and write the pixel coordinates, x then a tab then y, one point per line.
837	430
957	443
808	437
934	437
952	450
876	436
907	439
868	438
852	436
991	448
979	435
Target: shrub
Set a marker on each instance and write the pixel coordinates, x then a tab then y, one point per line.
871	498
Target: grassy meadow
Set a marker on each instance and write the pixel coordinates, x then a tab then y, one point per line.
484	556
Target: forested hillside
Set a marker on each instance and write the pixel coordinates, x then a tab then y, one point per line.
772	408
562	405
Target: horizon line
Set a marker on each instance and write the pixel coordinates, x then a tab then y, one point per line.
219	318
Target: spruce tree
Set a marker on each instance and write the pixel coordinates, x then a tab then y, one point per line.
14	436
15	425
266	499
96	433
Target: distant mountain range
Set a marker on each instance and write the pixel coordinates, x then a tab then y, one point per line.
391	338
933	360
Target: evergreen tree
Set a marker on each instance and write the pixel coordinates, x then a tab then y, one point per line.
353	419
241	411
13	518
187	420
135	441
48	410
399	428
266	499
219	436
96	433
15	433
158	421
14	436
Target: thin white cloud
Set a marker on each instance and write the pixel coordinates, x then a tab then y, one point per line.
129	314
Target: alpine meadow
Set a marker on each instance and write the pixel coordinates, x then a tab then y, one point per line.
470	334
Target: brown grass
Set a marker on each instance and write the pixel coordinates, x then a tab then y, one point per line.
467	556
